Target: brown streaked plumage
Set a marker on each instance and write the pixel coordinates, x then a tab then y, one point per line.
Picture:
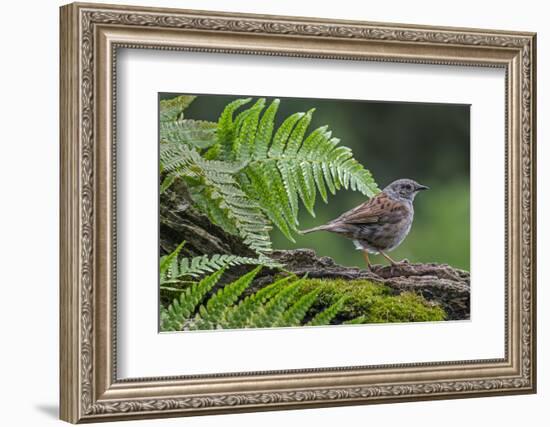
381	223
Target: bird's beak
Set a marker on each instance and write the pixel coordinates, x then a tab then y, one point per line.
422	187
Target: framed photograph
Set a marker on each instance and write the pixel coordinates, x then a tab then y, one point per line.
266	212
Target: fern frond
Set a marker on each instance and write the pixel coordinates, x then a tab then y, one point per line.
253	175
297	136
195	133
272	312
167	322
220	195
169	262
287	176
174	158
296	313
240	315
324	317
226	126
288	166
200	265
267	190
166	183
183	307
306	186
172	109
265	130
280	139
243	143
213	313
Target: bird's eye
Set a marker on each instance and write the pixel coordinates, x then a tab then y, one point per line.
407	187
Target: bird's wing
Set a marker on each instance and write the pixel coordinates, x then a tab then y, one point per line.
370	212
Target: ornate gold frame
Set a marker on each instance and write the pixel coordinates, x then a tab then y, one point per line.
90	35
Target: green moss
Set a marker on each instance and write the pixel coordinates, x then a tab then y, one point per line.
369	302
406	307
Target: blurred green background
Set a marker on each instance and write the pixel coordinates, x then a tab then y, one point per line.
429	143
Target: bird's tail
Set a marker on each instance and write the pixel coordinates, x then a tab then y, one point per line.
311	230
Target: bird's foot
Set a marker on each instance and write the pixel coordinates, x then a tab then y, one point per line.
396	264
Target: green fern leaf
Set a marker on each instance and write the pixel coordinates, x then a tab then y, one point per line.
167	323
246	135
183	307
280	193
313	147
296	313
300	165
201	265
255	175
325	316
215	190
167	261
265	130
306	188
297	136
289	182
166	183
226	128
269	198
318	175
212	314
172	109
239	316
273	311
283	133
195	133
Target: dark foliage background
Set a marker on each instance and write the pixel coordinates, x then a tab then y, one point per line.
426	142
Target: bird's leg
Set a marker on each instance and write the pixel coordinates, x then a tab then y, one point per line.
366	255
388	258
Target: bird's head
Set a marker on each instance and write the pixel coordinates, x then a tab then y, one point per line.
404	189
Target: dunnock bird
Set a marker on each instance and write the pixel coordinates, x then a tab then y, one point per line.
380	224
